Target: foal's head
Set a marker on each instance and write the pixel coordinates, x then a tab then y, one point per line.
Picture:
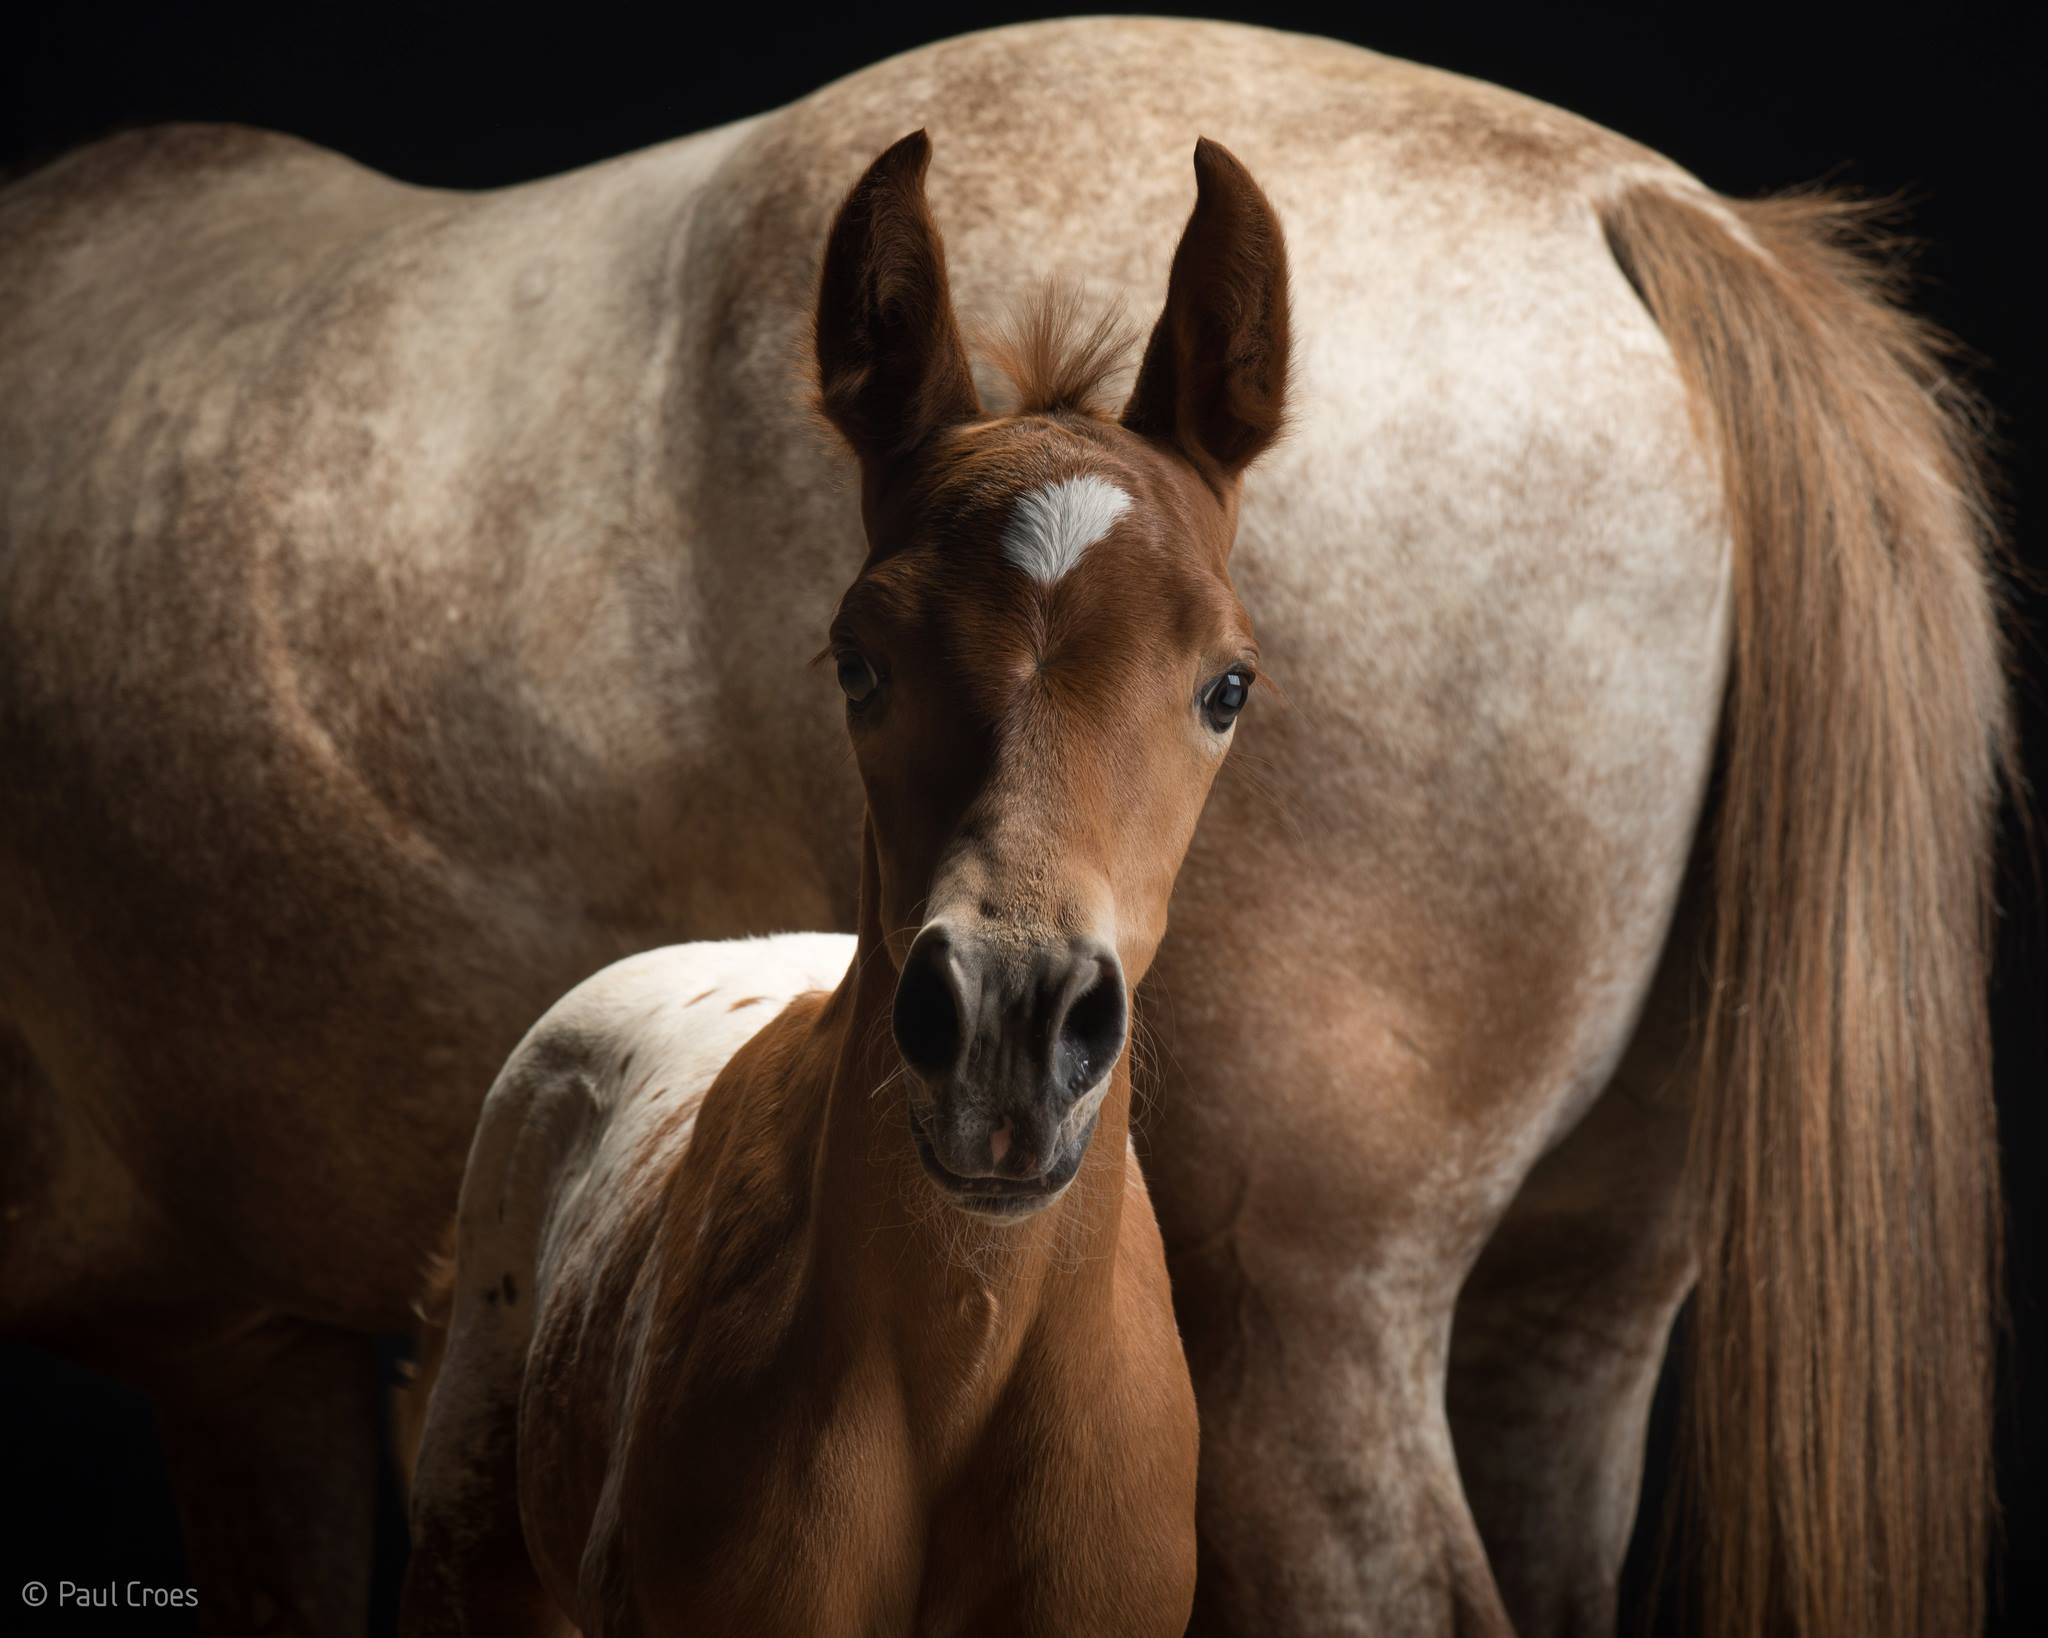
1043	659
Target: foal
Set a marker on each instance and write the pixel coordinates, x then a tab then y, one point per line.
778	1311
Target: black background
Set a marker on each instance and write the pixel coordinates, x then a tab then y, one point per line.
1938	108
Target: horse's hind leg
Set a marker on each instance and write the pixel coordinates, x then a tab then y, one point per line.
271	1441
1561	1330
1313	1280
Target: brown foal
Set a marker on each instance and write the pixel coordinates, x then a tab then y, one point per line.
782	1311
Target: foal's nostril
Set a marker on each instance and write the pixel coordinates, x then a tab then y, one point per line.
1089	1034
930	1006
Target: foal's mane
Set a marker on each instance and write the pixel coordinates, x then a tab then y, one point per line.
1054	357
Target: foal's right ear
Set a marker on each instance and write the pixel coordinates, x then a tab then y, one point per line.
891	367
1214	380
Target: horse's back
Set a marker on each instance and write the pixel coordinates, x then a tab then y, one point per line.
146	276
148	212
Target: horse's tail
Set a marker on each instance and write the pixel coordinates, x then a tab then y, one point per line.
1844	1151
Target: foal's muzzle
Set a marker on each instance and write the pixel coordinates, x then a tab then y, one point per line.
1013	1047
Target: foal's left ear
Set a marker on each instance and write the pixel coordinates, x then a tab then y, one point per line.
891	366
1214	380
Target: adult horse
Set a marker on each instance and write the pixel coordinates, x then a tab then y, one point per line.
403	606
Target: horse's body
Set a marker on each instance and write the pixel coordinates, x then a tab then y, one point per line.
403	606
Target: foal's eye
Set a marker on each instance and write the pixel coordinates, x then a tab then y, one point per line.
1223	697
857	677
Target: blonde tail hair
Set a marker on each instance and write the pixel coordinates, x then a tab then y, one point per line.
1844	1148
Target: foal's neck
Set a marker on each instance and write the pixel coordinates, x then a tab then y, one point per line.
955	1299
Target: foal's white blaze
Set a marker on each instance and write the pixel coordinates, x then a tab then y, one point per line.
1053	525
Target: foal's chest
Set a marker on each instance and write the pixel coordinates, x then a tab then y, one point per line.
836	1534
1050	1558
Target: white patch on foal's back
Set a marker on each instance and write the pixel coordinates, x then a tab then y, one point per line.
679	1014
1053	525
608	1082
